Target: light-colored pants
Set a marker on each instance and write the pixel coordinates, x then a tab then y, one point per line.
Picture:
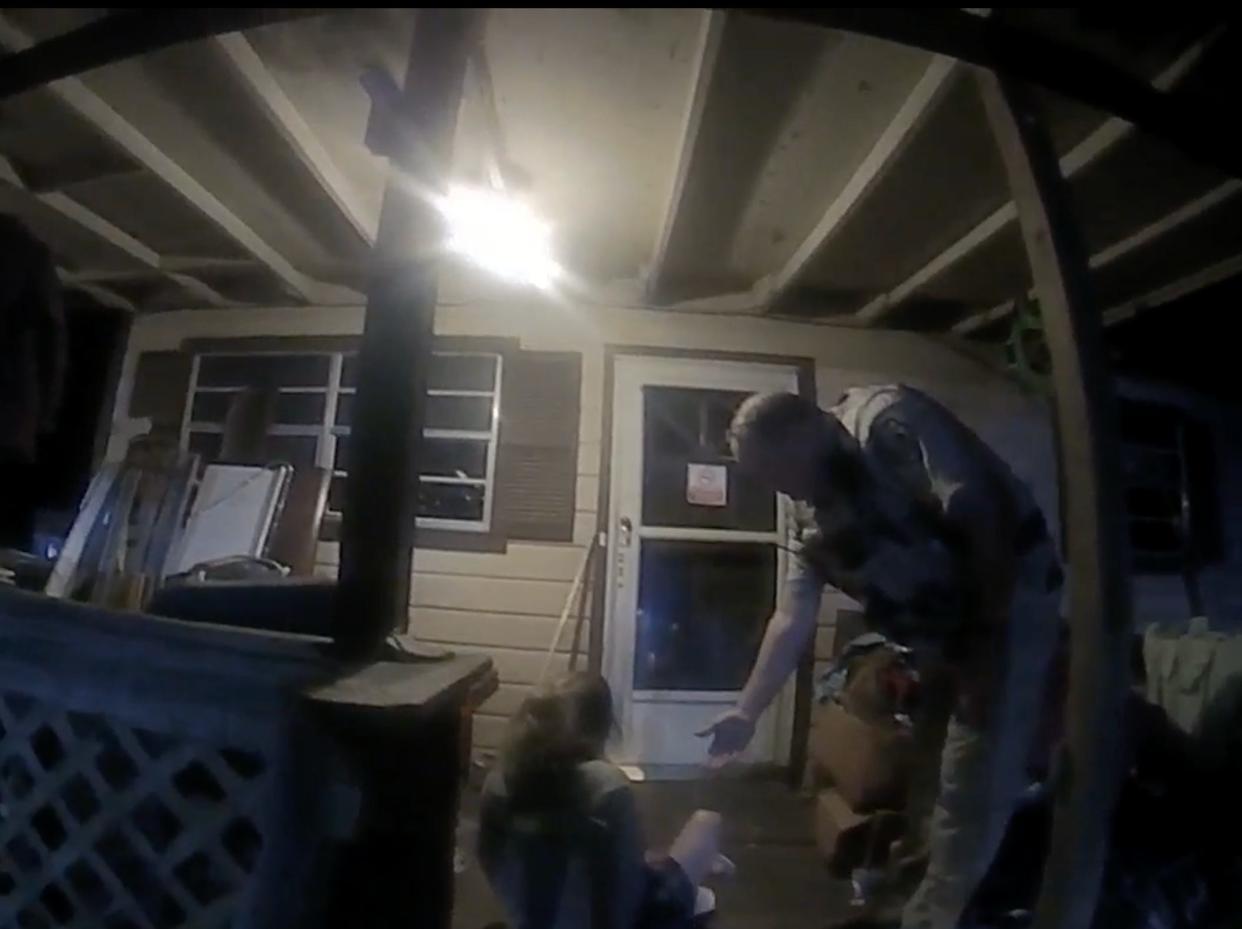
983	770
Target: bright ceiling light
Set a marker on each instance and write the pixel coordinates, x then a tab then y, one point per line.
499	233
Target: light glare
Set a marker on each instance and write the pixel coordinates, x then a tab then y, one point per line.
499	233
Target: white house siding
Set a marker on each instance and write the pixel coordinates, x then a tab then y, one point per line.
507	605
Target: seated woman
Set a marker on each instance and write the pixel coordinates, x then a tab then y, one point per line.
559	832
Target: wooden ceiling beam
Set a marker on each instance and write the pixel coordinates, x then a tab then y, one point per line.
892	141
1131	243
93	109
1088	151
711	28
301	138
114	236
1182	287
1019	53
122	35
105	295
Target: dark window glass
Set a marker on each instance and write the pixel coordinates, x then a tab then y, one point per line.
702	608
462	372
1155	537
258	370
292	409
211	407
300	409
1168	471
448	372
1153	424
472	414
336	493
454	457
684	426
297	450
349	371
450	501
1153	503
206	445
439	501
1151	467
440	457
345	410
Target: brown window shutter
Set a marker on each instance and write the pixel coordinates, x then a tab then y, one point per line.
161	384
537	462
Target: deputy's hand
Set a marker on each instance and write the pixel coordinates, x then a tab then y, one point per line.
730	733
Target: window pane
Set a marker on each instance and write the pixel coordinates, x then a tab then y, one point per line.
349	371
440	457
247	370
345	410
473	414
702	607
1150	467
454	457
450	501
1155	537
462	372
439	501
211	408
1153	503
1149	423
684	426
206	445
448	372
300	409
336	493
297	450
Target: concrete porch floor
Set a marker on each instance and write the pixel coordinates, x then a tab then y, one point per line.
781	883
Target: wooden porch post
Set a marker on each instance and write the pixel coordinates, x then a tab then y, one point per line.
1099	596
377	532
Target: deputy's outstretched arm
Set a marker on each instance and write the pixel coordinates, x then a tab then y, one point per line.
790	629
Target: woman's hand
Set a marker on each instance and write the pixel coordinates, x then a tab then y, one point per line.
730	733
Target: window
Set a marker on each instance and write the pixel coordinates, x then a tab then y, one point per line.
1169	487
456	487
314	415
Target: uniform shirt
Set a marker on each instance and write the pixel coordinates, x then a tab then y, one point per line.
935	530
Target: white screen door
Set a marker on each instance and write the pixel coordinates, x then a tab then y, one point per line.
696	558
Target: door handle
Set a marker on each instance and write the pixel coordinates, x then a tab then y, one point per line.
625	533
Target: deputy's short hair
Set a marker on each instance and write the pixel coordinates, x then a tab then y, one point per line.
767	418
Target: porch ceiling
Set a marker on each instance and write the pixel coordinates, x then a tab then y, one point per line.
687	159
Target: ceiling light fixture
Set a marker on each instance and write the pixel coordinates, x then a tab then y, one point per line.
501	234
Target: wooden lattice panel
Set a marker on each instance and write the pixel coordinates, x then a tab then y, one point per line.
107	825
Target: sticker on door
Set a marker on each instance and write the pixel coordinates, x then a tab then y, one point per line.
707	485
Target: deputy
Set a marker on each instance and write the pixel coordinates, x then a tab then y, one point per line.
902	507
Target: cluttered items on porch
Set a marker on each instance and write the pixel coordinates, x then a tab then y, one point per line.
1172	862
860	758
230	541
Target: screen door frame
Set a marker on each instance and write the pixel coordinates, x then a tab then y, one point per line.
628	373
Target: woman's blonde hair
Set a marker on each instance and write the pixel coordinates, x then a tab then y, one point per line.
556	729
